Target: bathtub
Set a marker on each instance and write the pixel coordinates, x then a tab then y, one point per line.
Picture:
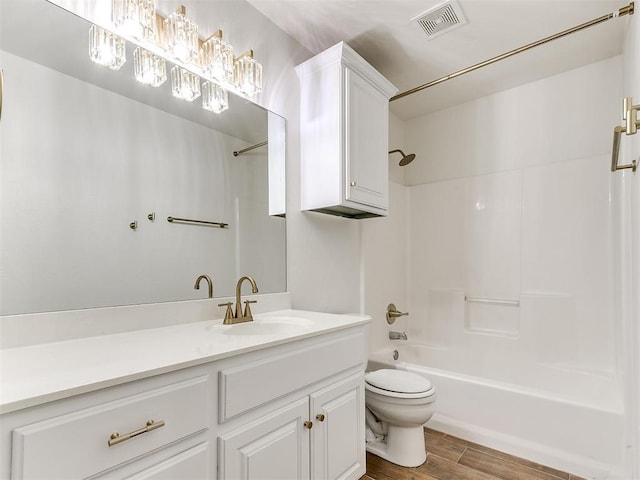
573	421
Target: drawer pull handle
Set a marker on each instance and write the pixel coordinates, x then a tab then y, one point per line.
308	424
116	438
320	417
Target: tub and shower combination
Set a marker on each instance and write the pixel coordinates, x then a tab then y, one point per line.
559	417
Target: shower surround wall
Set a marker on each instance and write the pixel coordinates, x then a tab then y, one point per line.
509	200
627	194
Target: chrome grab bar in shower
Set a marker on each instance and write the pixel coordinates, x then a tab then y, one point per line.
630	117
617	131
495	301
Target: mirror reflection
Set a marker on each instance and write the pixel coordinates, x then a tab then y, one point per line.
92	164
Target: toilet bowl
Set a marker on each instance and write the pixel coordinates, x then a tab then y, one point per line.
398	404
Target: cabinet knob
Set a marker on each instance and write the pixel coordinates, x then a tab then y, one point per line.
308	424
353	183
320	417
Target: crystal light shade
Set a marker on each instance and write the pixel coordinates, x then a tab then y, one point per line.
134	18
105	48
184	84
148	68
248	75
217	58
214	97
181	37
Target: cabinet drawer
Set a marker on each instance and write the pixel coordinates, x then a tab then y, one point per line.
76	445
192	464
250	385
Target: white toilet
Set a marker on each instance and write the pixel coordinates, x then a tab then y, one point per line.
398	404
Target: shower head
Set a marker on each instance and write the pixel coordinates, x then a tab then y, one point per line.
406	159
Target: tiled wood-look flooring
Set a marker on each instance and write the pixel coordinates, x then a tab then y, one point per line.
451	458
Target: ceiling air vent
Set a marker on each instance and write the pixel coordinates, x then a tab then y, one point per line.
441	19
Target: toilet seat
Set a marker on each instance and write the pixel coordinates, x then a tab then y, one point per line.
398	384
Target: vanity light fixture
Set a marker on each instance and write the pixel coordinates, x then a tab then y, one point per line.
214	97
211	60
184	84
247	74
148	68
134	18
105	48
181	36
216	57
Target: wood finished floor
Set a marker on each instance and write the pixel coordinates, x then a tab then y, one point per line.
451	458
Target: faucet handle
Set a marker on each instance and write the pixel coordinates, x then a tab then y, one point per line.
228	315
247	309
392	313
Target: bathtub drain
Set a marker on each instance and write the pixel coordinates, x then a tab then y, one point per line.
396	354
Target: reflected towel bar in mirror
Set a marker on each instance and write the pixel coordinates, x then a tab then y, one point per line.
197	222
248	149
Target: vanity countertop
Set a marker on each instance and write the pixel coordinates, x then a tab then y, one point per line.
36	374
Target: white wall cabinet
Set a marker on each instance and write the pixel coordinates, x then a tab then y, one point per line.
344	134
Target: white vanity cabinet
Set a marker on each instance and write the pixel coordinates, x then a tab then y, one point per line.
303	421
344	134
139	430
285	408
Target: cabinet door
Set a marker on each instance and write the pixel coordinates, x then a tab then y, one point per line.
366	142
275	447
338	433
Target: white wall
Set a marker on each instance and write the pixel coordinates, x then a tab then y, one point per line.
384	250
384	257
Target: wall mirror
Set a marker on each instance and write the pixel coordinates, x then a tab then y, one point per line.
87	153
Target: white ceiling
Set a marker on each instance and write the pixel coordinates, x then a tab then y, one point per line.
382	32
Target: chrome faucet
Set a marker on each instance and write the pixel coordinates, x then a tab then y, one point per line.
398	336
239	316
209	284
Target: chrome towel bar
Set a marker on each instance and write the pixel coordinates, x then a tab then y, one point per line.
248	149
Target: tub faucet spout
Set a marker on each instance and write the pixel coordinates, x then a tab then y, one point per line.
397	336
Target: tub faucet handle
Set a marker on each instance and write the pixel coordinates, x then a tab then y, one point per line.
393	313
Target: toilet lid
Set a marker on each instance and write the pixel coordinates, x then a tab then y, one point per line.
398	381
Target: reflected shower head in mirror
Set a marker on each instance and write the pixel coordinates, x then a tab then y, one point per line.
406	159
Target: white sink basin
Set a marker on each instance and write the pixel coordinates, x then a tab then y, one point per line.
266	326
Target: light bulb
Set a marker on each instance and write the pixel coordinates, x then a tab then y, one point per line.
214	97
149	68
134	18
184	84
105	48
181	37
